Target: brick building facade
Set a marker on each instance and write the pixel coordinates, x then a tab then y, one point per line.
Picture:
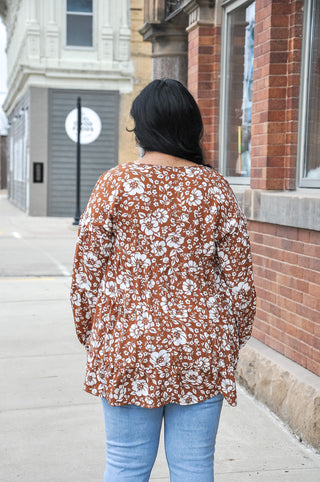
254	67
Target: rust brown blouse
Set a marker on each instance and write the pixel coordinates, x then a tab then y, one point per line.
162	288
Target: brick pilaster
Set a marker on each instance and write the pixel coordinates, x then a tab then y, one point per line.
277	57
293	88
204	83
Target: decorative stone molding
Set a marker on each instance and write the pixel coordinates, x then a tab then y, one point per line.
154	11
37	54
169	40
52	42
200	13
107	43
124	44
169	50
33	41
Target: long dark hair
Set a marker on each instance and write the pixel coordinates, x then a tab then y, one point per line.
167	119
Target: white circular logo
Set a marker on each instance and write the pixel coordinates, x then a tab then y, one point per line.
90	125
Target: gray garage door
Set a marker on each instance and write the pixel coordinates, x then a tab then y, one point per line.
97	157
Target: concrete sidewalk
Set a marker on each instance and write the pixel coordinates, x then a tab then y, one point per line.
50	429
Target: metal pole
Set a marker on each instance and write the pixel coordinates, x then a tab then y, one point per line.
78	182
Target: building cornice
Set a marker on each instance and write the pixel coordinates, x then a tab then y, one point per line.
118	77
201	13
197	12
151	31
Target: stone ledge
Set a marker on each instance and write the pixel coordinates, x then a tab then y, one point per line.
289	390
298	209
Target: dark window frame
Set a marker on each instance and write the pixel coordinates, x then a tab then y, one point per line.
229	7
304	106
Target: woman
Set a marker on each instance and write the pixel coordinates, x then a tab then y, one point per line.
163	294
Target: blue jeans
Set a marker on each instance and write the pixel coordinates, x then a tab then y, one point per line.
132	438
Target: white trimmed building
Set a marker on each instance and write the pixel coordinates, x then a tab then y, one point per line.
58	50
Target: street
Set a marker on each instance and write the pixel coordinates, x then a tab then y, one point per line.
51	430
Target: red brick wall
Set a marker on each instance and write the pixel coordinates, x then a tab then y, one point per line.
286	260
204	83
277	64
276	77
287	277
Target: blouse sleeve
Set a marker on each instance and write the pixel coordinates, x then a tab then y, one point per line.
234	259
93	248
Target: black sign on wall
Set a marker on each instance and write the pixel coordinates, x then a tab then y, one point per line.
38	172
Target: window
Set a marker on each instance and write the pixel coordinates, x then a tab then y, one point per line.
309	125
79	23
236	90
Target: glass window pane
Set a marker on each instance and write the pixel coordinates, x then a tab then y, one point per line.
79	6
79	30
239	90
312	139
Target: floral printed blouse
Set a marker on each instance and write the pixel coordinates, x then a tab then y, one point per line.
162	288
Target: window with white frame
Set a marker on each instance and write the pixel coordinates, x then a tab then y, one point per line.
79	23
309	112
236	90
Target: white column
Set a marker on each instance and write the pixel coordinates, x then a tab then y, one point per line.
33	30
124	14
107	37
32	11
106	10
124	32
52	31
51	11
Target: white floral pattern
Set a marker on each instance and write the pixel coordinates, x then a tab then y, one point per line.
162	288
